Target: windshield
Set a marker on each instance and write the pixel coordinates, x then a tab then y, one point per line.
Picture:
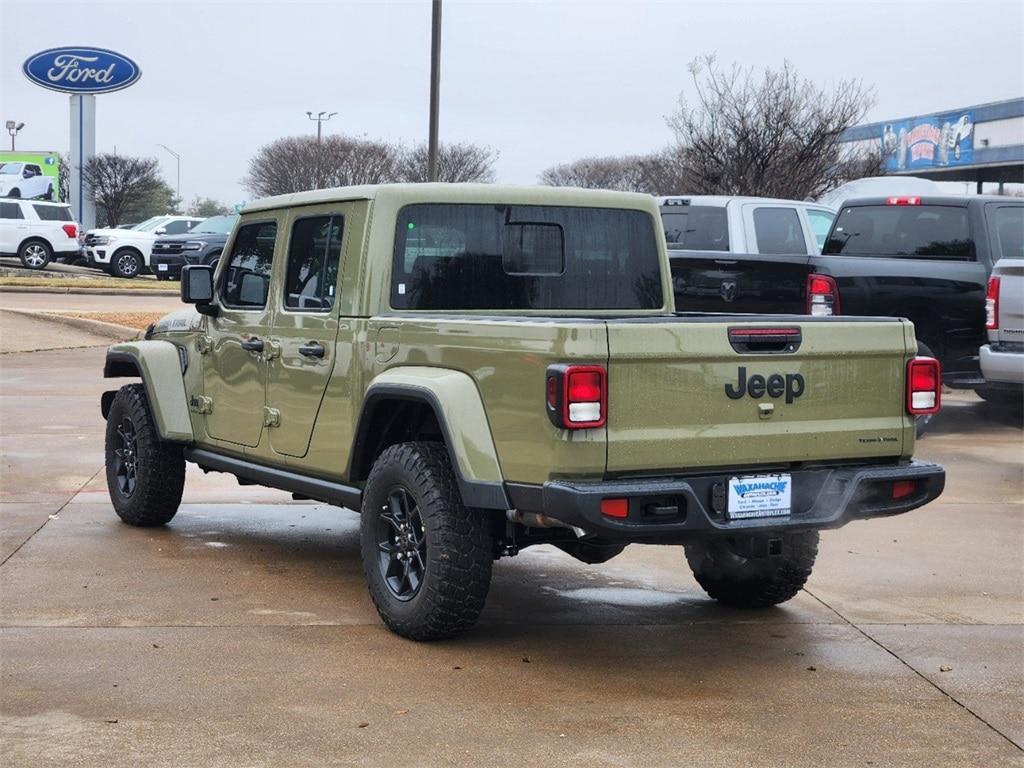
524	257
150	224
215	225
696	228
907	231
10	169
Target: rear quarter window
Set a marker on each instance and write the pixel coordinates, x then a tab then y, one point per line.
778	231
52	212
902	231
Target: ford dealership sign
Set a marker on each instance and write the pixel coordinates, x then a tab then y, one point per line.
81	70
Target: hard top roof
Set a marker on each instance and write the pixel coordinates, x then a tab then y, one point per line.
406	194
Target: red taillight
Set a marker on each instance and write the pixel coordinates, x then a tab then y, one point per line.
924	386
992	304
615	507
822	295
71	230
577	396
903	488
903	201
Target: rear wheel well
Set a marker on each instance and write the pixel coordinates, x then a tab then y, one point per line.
388	421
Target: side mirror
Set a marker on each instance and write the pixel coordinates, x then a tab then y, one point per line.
160	231
197	288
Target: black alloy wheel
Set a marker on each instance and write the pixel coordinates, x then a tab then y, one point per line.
401	544
126	457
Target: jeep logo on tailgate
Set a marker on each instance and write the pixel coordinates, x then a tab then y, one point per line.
791	385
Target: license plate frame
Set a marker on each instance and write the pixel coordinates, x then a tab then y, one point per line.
161	267
752	497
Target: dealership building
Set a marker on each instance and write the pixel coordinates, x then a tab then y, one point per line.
983	143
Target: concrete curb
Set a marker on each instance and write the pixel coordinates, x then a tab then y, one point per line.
98	327
88	291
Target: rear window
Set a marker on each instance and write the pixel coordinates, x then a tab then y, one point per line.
52	212
696	228
524	257
913	231
1007	223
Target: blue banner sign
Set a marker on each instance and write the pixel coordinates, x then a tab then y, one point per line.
936	141
81	70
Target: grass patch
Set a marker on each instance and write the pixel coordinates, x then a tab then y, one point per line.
106	283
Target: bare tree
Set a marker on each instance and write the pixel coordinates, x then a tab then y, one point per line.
458	162
661	173
64	179
776	134
119	182
299	163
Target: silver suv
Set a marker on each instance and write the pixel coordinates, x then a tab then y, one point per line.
1002	359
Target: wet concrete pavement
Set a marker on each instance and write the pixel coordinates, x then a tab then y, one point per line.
242	634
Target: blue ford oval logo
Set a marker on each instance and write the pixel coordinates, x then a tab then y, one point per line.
81	70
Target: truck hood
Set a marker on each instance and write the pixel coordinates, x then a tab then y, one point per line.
185	320
122	234
206	237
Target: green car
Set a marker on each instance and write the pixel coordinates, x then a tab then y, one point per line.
476	369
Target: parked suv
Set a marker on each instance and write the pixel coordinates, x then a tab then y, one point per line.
203	245
25	180
744	224
126	252
479	369
38	232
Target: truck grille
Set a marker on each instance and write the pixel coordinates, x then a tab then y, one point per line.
167	248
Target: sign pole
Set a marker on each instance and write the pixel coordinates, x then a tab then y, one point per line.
83	149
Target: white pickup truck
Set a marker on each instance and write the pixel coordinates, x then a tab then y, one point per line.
744	224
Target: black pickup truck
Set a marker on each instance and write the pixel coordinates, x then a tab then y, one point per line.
924	258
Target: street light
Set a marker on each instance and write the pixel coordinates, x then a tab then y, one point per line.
13	128
177	157
435	88
320	120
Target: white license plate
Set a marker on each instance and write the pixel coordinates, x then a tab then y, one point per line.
759	496
161	267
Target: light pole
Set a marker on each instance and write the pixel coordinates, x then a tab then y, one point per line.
13	128
177	158
320	120
435	88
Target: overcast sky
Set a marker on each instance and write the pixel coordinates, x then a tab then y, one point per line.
542	83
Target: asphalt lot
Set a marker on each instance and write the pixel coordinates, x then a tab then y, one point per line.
242	634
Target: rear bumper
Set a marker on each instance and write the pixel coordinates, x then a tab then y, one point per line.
822	498
1000	366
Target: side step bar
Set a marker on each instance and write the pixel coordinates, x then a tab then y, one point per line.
311	487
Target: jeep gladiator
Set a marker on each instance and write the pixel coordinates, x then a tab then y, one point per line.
477	369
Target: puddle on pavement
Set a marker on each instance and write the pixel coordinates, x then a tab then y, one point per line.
626	597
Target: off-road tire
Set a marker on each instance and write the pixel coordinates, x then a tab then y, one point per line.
754	582
124	270
159	466
458	544
35	254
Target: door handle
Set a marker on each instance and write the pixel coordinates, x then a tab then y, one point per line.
313	349
254	344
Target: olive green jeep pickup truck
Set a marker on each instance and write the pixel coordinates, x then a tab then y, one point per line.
477	369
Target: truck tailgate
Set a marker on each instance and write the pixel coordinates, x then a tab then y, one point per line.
738	282
684	394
